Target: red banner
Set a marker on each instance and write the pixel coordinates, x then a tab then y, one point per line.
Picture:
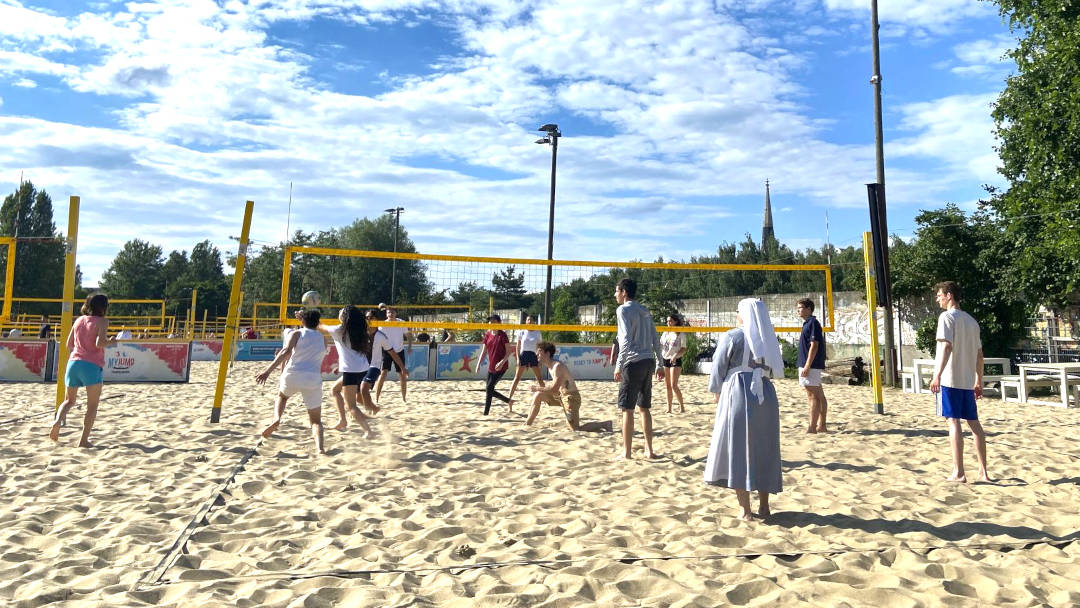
24	360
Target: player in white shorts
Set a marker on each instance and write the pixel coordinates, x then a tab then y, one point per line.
380	347
304	351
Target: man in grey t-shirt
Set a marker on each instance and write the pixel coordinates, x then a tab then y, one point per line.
958	375
639	350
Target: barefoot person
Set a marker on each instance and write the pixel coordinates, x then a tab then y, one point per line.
639	350
304	349
744	452
673	345
562	387
811	364
380	350
957	381
86	342
525	346
494	348
352	342
398	336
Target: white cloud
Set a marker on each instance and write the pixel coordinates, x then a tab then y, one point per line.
696	103
984	57
957	130
935	15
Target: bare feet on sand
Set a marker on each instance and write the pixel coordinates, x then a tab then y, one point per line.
270	429
54	432
747	516
958	478
85	444
341	426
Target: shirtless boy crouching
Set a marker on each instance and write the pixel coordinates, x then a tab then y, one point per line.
562	386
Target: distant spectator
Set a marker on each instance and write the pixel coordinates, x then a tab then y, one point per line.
45	331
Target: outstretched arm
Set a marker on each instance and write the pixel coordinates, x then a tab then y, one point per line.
281	357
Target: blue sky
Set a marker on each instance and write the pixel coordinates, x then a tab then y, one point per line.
164	116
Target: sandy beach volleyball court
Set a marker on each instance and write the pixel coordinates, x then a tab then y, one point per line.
447	508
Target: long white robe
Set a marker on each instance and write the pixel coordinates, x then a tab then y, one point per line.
744	452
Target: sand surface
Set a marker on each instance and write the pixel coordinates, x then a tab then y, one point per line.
444	507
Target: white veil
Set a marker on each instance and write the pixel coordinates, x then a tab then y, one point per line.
760	335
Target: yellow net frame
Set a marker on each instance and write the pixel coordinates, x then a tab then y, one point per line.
283	305
466	308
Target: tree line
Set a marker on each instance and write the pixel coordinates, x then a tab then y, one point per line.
1019	249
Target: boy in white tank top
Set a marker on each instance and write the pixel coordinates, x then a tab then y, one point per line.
304	351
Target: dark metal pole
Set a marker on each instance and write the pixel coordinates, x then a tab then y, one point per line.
393	270
890	351
551	228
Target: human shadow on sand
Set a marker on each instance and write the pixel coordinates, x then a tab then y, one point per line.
949	532
831	466
430	456
915	432
1065	480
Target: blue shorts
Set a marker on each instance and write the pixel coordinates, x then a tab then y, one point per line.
372	375
82	373
957	403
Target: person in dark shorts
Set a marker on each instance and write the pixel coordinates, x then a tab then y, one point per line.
639	350
673	345
352	342
525	347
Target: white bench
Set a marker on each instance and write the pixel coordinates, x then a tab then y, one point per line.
1011	384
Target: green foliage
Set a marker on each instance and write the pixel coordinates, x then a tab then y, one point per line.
694	345
135	272
39	264
950	246
509	288
790	354
1038	126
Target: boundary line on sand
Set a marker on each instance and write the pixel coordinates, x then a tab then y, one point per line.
454	570
39	414
154	576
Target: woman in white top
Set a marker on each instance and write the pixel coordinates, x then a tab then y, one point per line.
525	348
353	344
304	351
672	346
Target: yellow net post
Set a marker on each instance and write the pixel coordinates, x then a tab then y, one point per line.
871	305
69	294
191	314
234	312
9	276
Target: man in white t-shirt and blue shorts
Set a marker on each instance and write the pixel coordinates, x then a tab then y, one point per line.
958	375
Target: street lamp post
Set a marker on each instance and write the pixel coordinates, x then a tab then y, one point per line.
393	269
552	138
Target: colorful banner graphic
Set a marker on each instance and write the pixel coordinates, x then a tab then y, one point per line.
416	362
206	350
24	361
148	362
457	362
586	361
255	350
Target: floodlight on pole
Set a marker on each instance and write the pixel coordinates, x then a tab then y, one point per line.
553	135
393	268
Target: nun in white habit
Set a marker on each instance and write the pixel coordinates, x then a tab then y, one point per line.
744	453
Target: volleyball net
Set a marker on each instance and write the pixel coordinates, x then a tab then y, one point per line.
582	300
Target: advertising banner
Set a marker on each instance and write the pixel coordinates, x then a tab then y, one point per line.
416	362
457	362
148	362
206	350
586	361
25	361
256	350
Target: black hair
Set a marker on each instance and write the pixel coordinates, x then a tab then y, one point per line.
629	286
355	324
96	305
806	303
310	318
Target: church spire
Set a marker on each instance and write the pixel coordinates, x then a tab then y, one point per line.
767	233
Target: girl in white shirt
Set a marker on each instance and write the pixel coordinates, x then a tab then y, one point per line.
526	341
304	351
353	344
672	346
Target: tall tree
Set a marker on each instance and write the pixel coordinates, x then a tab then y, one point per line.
204	272
39	261
950	246
509	288
1038	126
135	272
